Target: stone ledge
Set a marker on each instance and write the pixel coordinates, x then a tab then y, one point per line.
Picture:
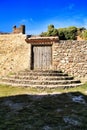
42	40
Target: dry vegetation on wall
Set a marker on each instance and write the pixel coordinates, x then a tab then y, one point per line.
13	53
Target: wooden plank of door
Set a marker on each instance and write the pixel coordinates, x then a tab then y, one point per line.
49	57
42	57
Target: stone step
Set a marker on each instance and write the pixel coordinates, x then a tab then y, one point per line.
47	78
34	72
42	74
35	77
43	86
42	71
39	82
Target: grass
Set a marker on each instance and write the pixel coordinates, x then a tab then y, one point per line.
45	109
9	90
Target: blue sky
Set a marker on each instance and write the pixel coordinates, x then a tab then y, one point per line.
38	14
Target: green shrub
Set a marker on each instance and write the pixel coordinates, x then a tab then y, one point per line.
50	32
67	33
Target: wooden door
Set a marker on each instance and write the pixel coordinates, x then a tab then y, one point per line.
42	57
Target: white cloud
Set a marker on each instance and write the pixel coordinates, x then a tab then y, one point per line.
25	21
31	19
71	6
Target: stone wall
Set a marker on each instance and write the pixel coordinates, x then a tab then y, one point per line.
14	53
68	56
71	57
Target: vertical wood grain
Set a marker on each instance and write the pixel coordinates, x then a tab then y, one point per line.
42	57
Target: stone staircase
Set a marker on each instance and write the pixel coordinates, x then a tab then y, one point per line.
40	79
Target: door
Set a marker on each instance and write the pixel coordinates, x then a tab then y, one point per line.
42	57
